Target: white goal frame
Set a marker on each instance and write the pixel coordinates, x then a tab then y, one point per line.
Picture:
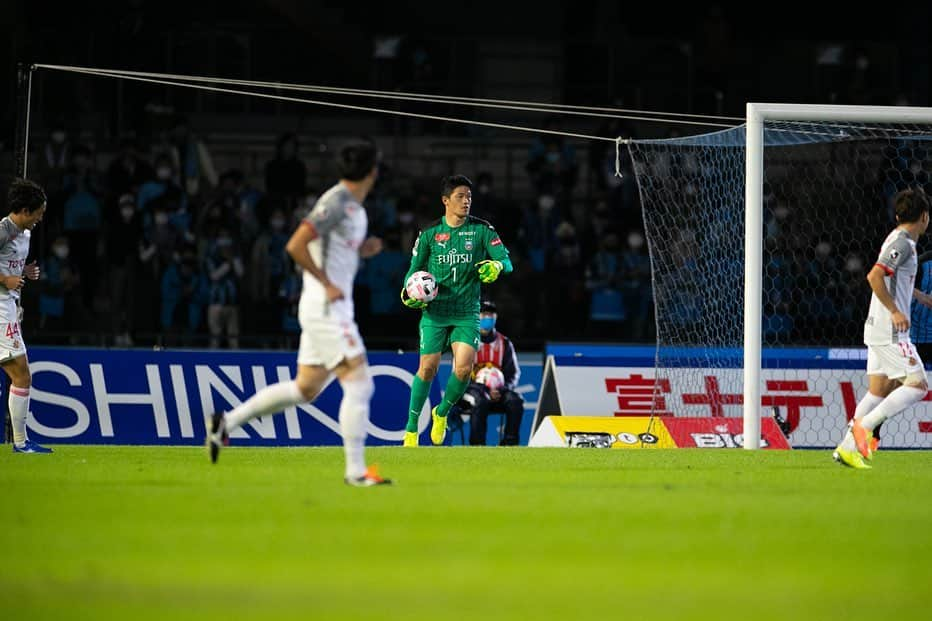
757	115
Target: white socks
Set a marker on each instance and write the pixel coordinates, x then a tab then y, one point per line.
354	416
269	400
873	410
19	405
354	413
896	402
867	403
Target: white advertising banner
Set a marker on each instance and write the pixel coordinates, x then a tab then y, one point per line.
816	403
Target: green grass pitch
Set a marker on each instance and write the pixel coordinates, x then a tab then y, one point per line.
466	533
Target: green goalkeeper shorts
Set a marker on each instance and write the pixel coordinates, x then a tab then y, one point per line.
438	333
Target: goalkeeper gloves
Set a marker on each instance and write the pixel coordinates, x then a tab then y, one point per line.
411	302
489	270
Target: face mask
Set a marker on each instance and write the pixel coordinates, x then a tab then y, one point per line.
546	202
58	137
163	173
127	213
61	251
406	217
635	241
161	218
487	323
277	224
484	189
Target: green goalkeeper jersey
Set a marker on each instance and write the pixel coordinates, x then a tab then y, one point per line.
451	254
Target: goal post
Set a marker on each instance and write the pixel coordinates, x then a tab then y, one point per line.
760	237
757	115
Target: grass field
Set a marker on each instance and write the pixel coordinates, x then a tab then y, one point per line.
466	533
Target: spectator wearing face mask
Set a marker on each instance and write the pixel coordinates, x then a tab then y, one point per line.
242	202
268	268
124	231
82	218
184	291
636	286
379	275
552	163
603	279
128	170
163	186
566	290
538	230
164	238
190	157
224	270
54	158
60	305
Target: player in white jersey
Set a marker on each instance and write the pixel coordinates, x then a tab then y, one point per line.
328	245
896	377
26	201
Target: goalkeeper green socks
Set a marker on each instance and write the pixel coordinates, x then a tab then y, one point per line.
419	391
454	392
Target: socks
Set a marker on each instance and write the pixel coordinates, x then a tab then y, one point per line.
419	391
19	405
896	402
354	416
270	399
867	403
453	393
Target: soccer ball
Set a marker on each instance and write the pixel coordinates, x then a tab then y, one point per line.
422	286
491	377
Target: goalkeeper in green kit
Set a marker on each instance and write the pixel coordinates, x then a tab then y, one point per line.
461	251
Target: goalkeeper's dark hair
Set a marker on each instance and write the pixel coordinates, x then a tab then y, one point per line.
356	159
448	184
910	204
25	196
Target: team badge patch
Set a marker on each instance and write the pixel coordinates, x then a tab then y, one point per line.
468	244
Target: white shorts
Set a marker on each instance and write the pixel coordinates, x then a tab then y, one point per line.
327	342
896	360
11	340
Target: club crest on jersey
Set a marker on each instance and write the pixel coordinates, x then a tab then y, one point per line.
468	244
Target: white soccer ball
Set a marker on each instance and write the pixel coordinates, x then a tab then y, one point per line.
422	286
493	378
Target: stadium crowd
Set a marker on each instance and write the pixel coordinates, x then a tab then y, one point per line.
152	245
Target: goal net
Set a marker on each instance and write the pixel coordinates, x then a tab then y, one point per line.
777	318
